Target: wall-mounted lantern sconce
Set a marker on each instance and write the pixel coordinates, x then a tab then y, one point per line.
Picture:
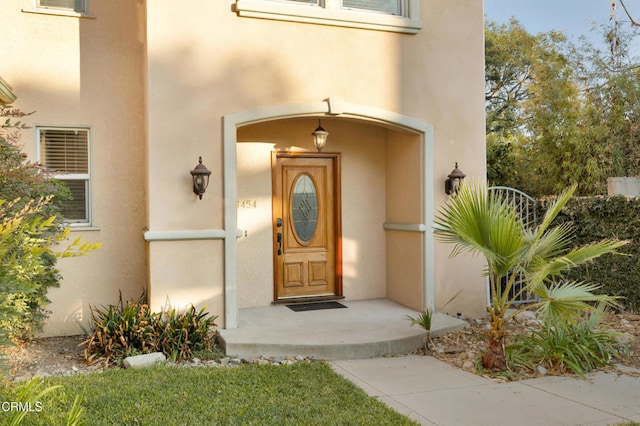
454	180
200	176
319	137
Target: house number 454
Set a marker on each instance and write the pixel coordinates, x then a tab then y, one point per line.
247	204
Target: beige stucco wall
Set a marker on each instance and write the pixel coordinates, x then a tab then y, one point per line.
405	206
89	72
184	278
205	65
153	80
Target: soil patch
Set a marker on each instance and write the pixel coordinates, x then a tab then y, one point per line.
463	349
49	356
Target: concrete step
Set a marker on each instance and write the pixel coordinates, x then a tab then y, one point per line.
366	329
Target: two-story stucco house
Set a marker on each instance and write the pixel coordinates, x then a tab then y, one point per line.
130	94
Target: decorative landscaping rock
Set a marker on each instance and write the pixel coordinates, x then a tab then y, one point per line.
142	361
541	371
525	317
624	338
468	365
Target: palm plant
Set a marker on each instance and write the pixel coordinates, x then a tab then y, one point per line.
423	319
481	222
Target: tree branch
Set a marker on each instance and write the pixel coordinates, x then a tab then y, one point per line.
626	11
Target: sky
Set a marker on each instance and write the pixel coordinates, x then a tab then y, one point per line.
573	17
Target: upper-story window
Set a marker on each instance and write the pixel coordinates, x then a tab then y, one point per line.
65	153
78	6
70	8
392	7
387	15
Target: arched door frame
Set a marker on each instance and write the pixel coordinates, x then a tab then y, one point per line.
334	106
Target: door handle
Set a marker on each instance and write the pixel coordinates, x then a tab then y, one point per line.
279	240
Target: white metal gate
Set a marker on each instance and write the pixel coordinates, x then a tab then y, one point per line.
525	207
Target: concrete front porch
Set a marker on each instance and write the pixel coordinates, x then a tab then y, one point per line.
365	329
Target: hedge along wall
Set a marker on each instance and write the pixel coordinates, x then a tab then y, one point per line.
598	218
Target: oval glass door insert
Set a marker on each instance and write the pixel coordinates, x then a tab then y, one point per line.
304	208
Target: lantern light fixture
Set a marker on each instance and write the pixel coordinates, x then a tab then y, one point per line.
200	176
319	137
454	180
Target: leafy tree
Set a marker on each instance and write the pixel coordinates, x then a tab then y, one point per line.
508	69
547	160
612	108
559	115
481	222
520	70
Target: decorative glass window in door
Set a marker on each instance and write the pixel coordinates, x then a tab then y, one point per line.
304	208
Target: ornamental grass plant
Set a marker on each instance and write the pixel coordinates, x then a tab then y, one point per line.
131	328
579	347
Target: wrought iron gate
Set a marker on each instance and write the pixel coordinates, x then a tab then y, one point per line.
525	207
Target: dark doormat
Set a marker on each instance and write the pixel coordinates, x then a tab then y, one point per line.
301	307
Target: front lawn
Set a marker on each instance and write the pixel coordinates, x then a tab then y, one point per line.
304	393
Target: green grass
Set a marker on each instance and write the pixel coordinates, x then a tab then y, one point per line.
304	393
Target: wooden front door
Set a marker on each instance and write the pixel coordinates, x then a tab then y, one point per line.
306	225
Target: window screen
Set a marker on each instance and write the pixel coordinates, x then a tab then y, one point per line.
75	209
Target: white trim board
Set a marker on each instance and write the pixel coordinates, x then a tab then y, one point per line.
351	18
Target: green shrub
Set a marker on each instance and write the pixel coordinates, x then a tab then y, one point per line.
132	328
4	363
31	306
20	261
596	218
23	183
579	347
27	266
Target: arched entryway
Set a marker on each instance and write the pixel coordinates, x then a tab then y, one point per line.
387	202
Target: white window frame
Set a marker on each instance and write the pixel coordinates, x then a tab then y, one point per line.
331	12
77	223
38	7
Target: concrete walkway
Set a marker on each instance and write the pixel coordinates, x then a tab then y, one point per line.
434	393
